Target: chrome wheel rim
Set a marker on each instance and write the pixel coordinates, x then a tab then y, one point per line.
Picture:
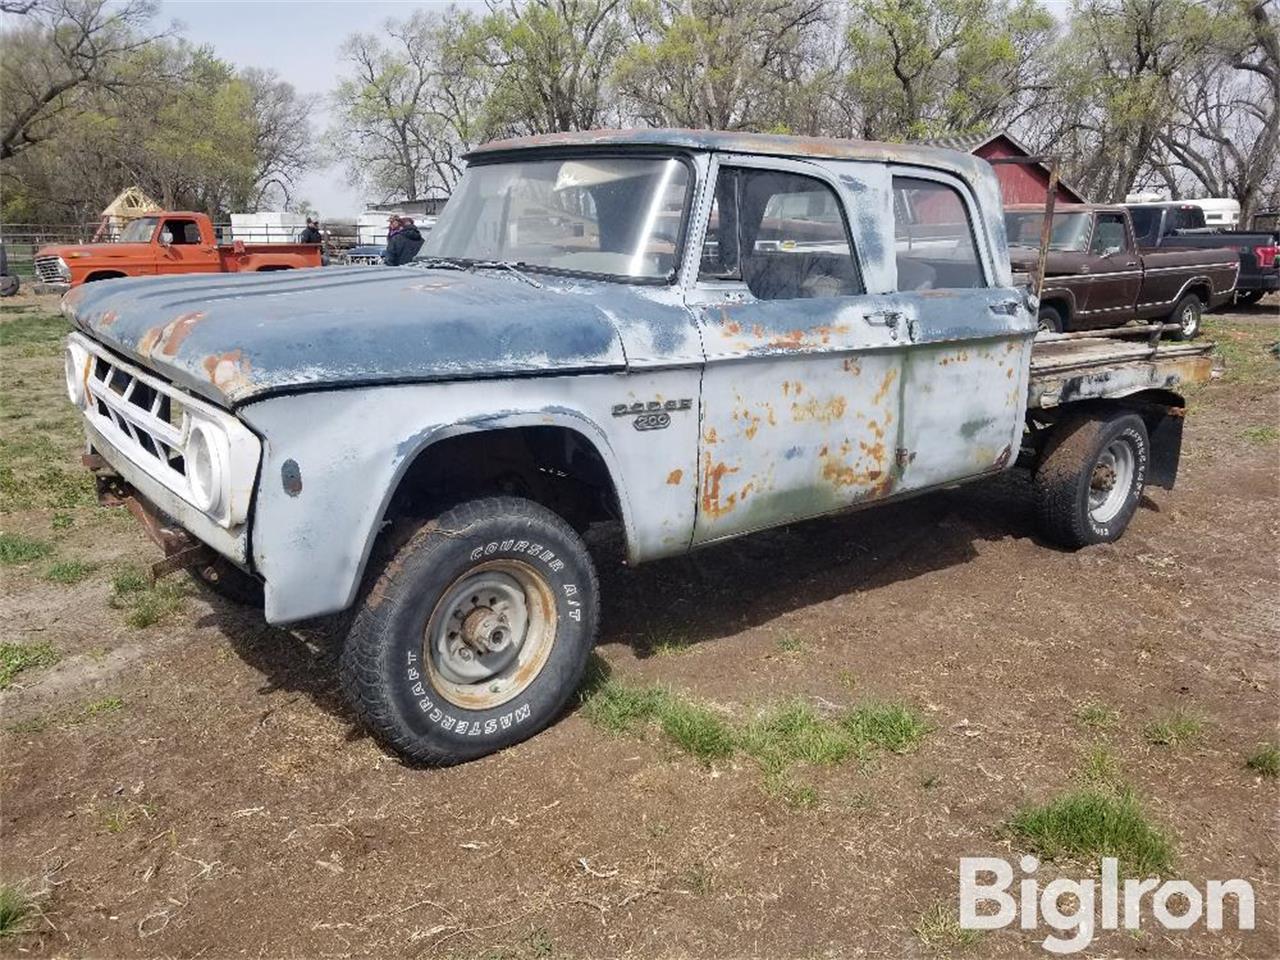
1111	481
1189	319
490	634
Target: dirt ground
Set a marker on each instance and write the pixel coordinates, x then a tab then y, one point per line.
196	786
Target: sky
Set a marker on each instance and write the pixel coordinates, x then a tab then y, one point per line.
300	41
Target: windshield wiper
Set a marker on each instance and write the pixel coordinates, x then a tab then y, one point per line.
441	263
511	266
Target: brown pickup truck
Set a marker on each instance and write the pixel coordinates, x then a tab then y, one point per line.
1097	276
165	243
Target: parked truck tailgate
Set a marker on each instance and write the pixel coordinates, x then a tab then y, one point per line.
1067	368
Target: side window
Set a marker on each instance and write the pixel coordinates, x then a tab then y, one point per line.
182	231
1108	235
782	234
933	237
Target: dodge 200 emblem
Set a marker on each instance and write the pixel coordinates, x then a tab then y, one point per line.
652	414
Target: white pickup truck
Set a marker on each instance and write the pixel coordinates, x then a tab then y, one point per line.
694	334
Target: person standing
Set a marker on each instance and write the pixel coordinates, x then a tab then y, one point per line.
403	242
311	233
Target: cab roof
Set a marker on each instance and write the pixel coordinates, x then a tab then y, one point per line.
724	141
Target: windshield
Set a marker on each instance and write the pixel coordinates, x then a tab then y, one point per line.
139	231
607	216
1070	230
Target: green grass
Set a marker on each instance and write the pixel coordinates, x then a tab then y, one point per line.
939	929
1263	434
1101	770
97	708
786	734
1176	730
46	329
791	643
1091	823
1243	351
1265	760
17	907
17	657
695	729
1097	716
145	603
70	571
16	548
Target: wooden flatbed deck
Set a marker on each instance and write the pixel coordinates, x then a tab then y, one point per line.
1072	367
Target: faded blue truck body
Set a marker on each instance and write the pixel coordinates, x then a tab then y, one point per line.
774	410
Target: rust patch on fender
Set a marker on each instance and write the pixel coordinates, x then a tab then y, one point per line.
674	477
890	376
827	412
106	319
712	474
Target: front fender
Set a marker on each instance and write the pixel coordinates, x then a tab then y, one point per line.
332	461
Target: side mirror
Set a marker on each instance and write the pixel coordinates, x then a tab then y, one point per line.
166	239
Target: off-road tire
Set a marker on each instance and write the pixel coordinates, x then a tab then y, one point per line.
229	582
1187	314
399	697
1050	320
9	284
1064	478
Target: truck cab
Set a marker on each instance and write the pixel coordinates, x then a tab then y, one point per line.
693	335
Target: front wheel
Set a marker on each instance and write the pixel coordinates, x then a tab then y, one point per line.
476	633
1091	478
1187	316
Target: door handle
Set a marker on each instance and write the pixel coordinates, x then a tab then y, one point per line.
1084	269
883	318
1132	263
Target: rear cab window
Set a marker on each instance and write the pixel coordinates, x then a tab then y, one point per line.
935	244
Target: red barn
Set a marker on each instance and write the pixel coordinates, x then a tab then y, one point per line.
1019	182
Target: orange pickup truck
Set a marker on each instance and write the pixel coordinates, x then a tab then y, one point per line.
164	243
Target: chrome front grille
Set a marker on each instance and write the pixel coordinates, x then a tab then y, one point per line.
47	270
145	416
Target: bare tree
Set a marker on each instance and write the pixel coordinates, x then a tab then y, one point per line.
282	134
64	49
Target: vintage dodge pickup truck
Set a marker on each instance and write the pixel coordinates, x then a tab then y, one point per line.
697	335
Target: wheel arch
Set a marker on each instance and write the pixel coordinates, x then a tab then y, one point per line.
421	453
96	275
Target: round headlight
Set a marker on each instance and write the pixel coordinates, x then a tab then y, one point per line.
206	465
73	367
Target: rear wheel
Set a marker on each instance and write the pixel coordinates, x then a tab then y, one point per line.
1187	316
1051	320
476	633
1091	478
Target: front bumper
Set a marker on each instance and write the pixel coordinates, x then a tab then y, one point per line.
42	287
180	548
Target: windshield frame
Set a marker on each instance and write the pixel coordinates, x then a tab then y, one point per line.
1059	217
587	153
155	225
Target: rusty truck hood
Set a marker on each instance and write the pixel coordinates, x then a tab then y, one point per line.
233	338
